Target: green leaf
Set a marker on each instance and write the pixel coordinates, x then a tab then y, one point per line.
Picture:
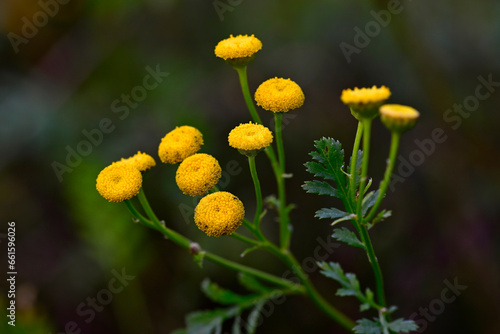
222	296
402	325
369	200
208	322
252	284
345	235
365	326
331	213
318	170
320	188
364	307
381	216
253	318
249	250
180	331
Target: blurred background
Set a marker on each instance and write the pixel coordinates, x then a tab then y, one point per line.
71	70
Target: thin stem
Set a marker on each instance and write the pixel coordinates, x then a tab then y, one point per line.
285	232
387	176
354	162
364	168
244	239
379	280
242	74
138	215
186	243
258	192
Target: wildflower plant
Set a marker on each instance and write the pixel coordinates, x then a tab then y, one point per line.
221	213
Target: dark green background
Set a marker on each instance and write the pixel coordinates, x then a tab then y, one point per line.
65	78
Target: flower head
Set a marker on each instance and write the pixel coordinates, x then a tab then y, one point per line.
279	95
198	174
218	214
179	144
250	137
239	50
398	118
119	181
141	161
364	102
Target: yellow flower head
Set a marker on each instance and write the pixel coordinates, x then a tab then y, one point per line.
141	161
240	48
250	137
364	102
218	214
198	174
398	118
119	181
179	144
279	95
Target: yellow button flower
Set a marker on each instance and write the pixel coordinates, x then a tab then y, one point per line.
219	214
119	181
279	95
179	144
198	174
398	118
364	102
141	161
240	47
250	137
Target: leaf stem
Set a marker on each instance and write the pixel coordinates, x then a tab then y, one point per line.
242	75
258	192
354	162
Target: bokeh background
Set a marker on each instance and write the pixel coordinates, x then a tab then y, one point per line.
61	79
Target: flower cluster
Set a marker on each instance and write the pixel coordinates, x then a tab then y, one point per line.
279	95
198	174
239	50
219	214
250	137
179	144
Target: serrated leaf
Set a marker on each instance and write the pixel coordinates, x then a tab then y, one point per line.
381	216
365	326
222	296
319	170
208	322
252	284
369	200
330	213
253	318
320	188
345	235
402	325
346	292
348	217
349	282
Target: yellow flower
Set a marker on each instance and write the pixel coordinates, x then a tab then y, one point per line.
239	47
250	137
141	161
279	95
219	214
179	144
119	181
398	118
198	174
364	102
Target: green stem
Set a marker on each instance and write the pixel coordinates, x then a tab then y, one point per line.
242	74
258	192
186	243
387	176
285	232
379	280
138	215
367	124
244	239
354	160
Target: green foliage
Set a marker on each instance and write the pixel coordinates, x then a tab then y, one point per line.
365	326
345	235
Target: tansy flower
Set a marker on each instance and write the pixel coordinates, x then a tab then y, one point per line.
119	181
141	161
364	102
279	95
398	118
179	144
198	174
218	214
250	137
239	50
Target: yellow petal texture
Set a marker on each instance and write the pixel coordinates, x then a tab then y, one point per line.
279	95
179	144
198	174
119	181
241	46
219	214
397	117
250	136
373	95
